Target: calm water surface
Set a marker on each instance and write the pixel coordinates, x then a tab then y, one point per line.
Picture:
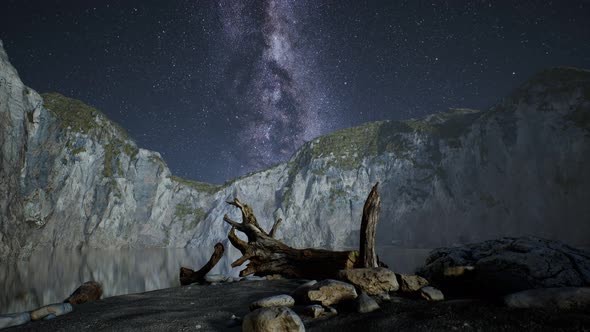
50	277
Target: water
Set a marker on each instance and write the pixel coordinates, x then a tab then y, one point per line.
52	276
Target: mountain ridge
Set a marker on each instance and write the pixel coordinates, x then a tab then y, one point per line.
451	177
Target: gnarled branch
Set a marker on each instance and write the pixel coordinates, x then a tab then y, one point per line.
188	276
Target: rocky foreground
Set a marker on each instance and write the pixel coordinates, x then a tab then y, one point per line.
216	307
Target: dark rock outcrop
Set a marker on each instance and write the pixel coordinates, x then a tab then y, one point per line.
508	265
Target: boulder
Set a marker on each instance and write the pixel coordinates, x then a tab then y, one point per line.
300	293
9	320
328	292
313	311
431	294
560	298
56	309
505	266
365	304
272	319
372	281
87	292
273	301
410	283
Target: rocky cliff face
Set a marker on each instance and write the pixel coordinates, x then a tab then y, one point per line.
71	178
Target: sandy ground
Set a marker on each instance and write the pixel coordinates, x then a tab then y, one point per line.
210	308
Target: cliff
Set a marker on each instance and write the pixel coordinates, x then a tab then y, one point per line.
72	178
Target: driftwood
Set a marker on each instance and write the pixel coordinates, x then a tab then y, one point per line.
368	256
268	256
188	276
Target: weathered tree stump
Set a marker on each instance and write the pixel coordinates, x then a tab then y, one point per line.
368	256
188	276
269	256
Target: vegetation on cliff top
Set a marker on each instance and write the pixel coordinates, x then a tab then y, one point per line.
79	116
199	186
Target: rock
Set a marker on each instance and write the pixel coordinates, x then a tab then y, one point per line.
382	298
313	311
410	283
272	319
507	265
456	271
365	304
328	292
87	292
273	301
57	309
16	319
50	316
372	281
216	278
300	293
431	294
562	298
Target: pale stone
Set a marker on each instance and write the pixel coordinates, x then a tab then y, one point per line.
431	294
273	301
410	283
372	281
56	309
272	319
329	292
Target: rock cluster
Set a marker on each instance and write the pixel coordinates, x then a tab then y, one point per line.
359	290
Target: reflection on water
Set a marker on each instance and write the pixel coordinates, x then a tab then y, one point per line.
51	277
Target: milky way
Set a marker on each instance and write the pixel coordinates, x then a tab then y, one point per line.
280	88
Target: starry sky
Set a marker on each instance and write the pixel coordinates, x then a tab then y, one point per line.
222	88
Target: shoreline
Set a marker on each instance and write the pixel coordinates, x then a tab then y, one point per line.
211	307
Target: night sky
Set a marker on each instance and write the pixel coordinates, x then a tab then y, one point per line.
222	88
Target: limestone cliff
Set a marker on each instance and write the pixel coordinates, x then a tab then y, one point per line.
71	178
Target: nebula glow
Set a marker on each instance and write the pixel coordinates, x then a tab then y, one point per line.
283	99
